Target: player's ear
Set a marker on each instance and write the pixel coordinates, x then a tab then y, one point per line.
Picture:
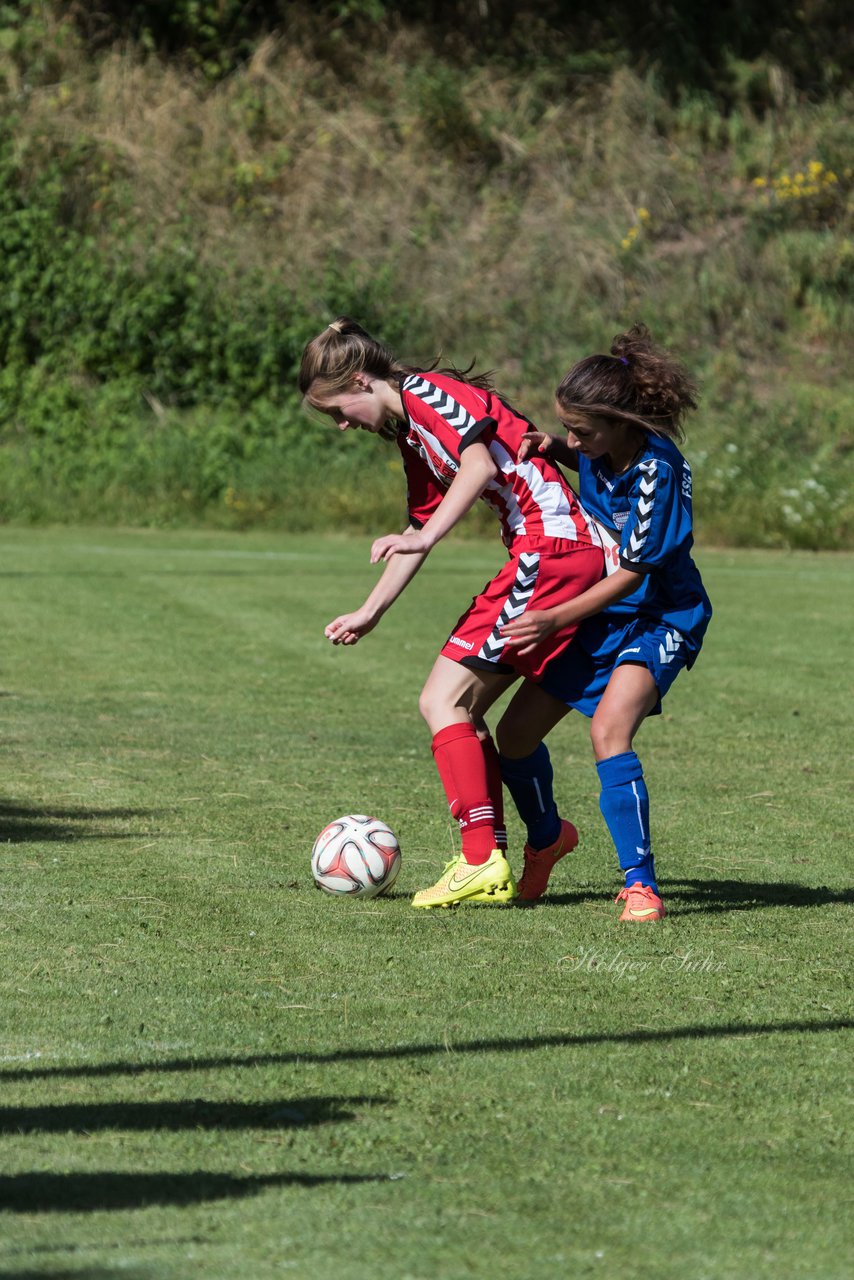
361	382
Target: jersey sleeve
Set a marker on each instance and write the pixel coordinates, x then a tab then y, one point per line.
423	491
452	412
660	520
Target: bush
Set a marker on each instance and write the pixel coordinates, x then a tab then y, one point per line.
169	239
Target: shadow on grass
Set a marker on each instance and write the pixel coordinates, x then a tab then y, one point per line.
125	1245
91	1273
194	1113
738	895
88	1192
37	823
713	896
528	1044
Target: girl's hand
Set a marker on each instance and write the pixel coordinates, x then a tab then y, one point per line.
350	627
525	633
398	544
534	442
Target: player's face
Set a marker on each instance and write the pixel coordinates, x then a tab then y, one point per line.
359	407
590	435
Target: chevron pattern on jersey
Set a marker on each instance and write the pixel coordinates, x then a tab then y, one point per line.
668	651
441	402
516	603
643	511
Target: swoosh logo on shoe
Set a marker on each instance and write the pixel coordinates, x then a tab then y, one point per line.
455	884
643	911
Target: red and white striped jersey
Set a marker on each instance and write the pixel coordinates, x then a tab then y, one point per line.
443	416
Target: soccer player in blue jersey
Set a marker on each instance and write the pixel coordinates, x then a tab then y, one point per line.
642	623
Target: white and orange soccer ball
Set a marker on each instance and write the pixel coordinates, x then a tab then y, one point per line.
355	856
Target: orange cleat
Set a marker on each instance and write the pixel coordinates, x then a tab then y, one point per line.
539	863
643	905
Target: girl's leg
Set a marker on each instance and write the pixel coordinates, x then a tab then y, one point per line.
527	772
453	702
525	762
494	783
630	696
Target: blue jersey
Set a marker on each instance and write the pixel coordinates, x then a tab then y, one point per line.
647	511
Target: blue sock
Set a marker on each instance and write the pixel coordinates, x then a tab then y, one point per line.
529	782
624	802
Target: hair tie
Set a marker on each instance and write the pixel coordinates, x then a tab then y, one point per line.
334	325
623	360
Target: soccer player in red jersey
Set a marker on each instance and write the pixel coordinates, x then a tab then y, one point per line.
460	441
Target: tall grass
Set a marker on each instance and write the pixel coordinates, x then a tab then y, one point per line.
518	219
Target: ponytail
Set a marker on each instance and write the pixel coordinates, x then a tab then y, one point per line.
331	361
638	383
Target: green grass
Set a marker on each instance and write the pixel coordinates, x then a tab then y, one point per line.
209	1069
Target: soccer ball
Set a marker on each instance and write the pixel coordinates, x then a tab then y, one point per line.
356	856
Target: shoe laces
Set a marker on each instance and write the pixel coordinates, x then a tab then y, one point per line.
643	889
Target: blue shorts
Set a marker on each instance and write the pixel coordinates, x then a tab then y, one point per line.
579	676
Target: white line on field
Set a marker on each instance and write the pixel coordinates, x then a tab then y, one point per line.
166	552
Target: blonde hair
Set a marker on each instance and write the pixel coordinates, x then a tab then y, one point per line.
331	361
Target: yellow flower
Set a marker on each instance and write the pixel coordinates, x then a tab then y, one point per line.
815	167
643	214
758	182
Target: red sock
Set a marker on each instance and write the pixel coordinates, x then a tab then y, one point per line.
462	767
496	790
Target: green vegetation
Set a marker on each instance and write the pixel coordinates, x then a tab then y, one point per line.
188	192
211	1070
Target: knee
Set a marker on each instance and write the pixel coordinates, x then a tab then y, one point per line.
428	704
608	739
437	708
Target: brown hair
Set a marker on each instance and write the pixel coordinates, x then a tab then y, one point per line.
332	359
637	383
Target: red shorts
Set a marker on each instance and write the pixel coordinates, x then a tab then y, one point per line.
528	580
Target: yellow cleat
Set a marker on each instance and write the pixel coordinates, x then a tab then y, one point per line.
461	881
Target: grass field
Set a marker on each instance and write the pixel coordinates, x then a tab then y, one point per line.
211	1070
